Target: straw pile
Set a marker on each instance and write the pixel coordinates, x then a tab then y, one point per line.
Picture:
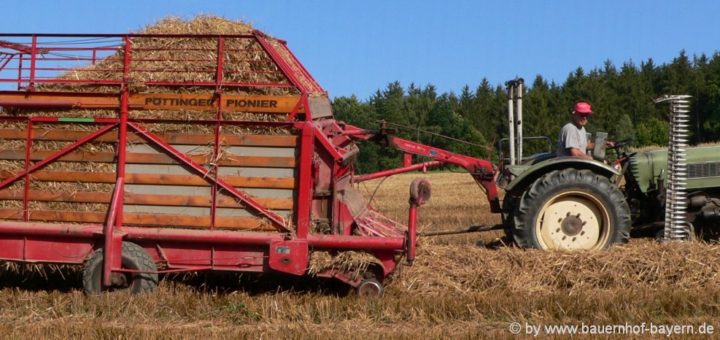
186	59
351	263
642	263
179	59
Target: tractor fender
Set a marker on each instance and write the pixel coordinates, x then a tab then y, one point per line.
529	176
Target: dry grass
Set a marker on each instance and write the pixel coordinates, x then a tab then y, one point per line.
454	290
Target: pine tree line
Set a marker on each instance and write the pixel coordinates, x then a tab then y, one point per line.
622	100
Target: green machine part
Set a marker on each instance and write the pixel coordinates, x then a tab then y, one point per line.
703	163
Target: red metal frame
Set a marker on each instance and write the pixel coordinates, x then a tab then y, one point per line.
325	156
111	242
480	169
218	127
26	191
390	172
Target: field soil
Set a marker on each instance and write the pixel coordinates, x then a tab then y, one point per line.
463	286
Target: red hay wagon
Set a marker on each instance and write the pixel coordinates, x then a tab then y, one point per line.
142	154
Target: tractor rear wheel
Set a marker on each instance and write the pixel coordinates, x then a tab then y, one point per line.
133	257
571	210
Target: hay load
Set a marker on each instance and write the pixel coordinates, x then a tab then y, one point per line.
157	65
189	59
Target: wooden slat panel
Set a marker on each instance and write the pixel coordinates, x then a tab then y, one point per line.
160	220
258	161
142	199
157	179
171	138
154	158
203	201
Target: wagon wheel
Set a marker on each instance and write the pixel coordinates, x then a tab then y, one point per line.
370	286
133	257
571	210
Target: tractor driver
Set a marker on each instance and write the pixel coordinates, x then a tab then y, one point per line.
573	137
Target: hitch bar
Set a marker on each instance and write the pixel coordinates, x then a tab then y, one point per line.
471	229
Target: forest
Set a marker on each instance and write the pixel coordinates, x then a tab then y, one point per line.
474	120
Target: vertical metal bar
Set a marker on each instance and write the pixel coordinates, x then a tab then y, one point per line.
511	123
33	59
122	133
407	159
94	56
20	67
305	186
411	233
110	258
519	121
218	127
219	64
111	255
26	191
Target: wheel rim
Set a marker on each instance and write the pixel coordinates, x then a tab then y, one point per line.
571	221
370	288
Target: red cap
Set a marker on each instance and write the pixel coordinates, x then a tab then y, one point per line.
583	108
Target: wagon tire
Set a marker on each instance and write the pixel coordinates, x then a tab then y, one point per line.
571	210
370	288
133	257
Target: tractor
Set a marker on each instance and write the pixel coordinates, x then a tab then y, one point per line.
568	203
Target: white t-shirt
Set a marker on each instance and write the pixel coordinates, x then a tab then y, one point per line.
571	137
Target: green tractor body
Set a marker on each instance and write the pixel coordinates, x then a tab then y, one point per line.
648	168
568	203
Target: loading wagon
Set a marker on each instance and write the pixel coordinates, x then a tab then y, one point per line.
141	154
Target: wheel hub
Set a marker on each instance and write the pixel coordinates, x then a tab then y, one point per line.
370	288
572	225
118	280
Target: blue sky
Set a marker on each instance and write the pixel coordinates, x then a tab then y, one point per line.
358	47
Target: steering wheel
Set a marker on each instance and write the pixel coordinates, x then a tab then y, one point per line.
622	143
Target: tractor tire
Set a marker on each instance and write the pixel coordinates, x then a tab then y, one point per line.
133	257
571	210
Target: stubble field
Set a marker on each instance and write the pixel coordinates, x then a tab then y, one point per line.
457	288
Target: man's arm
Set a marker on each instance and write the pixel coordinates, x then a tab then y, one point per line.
608	144
577	153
